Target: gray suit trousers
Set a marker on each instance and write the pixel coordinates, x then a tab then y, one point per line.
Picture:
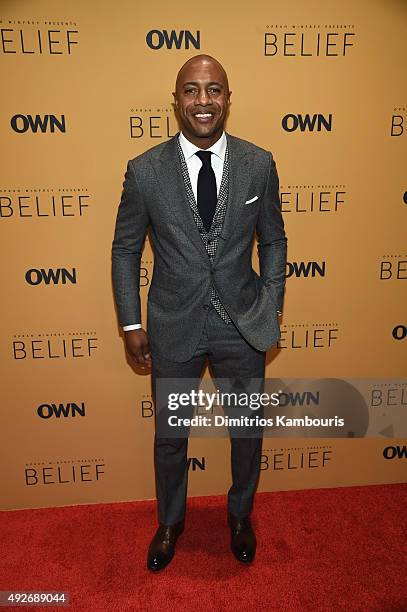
229	356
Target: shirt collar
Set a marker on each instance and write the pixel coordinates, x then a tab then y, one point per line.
189	149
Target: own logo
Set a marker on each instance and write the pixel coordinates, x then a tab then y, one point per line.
157	39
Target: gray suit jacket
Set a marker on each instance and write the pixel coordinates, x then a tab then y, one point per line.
154	197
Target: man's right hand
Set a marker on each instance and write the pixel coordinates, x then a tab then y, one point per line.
137	346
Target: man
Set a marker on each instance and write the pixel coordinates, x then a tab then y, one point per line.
203	194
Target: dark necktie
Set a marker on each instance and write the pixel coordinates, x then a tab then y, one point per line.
206	189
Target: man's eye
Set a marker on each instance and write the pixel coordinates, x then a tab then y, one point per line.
214	90
190	90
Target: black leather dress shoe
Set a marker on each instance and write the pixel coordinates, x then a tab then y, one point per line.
243	539
162	547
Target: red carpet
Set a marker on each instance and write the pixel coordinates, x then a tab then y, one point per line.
318	550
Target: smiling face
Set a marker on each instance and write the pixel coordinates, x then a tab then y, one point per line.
202	100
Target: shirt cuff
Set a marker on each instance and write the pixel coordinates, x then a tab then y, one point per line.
130	327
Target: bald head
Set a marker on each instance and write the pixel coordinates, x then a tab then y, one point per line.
202	100
200	60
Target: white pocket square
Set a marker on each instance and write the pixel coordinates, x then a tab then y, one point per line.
252	200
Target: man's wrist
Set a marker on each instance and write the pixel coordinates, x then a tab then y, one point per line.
131	327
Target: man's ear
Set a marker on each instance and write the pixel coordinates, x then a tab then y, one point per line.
175	98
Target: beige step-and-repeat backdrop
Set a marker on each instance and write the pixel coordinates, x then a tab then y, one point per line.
87	86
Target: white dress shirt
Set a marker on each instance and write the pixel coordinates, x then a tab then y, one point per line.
194	164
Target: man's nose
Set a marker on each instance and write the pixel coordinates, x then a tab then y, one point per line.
203	97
